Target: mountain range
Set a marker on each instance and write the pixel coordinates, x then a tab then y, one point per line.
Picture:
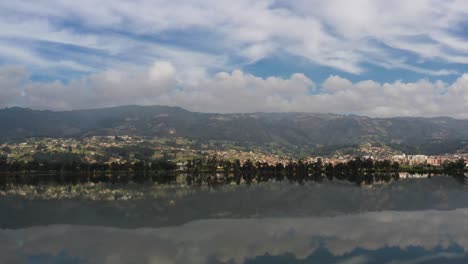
301	131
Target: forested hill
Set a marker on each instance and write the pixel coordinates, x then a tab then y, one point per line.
293	130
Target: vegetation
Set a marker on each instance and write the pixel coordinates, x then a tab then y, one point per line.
211	171
296	134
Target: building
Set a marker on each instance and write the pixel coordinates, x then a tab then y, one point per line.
417	160
402	159
435	161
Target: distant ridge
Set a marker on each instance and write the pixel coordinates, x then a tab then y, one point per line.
292	130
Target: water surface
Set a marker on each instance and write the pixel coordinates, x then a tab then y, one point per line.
406	221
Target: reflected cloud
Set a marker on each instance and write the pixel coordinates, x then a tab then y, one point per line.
377	237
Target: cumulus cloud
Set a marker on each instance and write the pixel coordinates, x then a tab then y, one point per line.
236	91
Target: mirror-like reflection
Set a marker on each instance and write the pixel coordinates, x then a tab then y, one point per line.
154	206
416	220
403	237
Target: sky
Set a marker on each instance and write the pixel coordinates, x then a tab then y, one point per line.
368	57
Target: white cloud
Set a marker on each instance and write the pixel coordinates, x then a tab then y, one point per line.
163	83
11	52
162	72
317	30
12	79
400	24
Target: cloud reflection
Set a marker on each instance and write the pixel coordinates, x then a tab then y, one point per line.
411	237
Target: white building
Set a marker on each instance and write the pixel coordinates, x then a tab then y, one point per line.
417	160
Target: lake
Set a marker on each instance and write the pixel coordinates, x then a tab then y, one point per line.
414	220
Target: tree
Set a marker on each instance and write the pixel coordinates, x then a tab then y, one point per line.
41	147
3	163
6	149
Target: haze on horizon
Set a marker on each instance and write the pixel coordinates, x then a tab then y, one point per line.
379	58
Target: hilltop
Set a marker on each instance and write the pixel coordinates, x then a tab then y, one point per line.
298	133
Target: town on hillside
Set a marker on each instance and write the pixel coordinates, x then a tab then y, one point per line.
124	149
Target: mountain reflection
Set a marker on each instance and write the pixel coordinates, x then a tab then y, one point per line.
403	237
421	221
177	205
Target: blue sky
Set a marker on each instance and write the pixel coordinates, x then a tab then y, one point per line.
77	50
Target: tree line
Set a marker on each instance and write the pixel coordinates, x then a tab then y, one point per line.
210	171
357	170
79	166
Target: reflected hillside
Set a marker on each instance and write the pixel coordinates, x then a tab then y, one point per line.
154	206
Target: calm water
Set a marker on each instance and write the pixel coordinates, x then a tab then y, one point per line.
408	221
